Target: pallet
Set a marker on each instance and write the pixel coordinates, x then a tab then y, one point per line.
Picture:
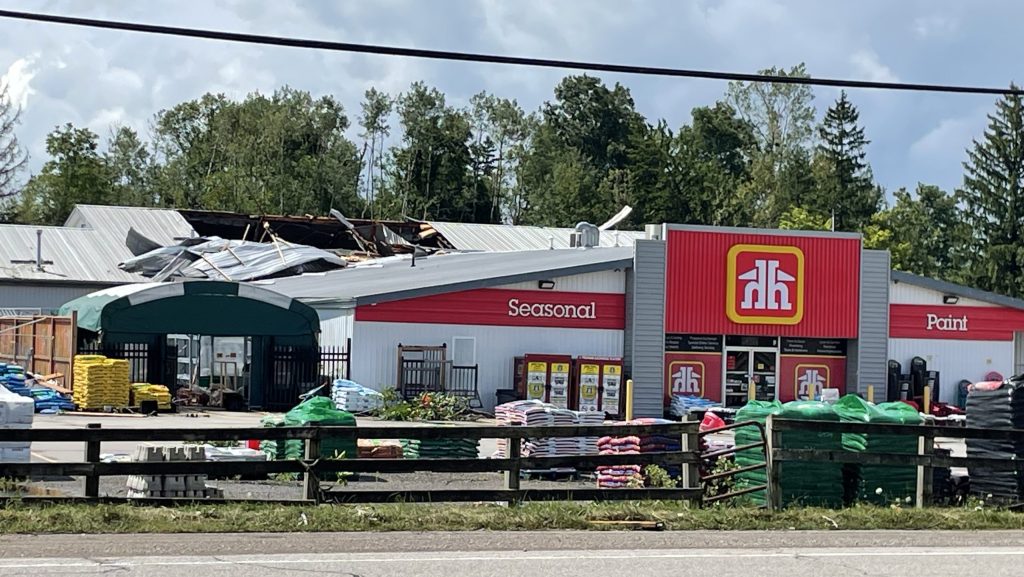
550	474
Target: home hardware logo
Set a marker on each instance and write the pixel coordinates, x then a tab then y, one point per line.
765	285
552	311
687	378
807	375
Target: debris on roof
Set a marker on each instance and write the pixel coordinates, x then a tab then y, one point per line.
233	260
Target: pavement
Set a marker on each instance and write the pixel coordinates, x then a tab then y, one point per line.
554	554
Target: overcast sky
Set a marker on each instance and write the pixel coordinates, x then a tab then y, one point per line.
99	78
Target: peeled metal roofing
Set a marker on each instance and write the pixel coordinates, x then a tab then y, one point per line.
77	255
394	279
504	237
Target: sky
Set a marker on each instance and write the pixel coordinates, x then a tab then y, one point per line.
101	79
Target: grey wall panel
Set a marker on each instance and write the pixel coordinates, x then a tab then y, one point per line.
627	335
41	296
873	343
648	328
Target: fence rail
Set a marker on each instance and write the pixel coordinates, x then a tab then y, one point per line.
313	467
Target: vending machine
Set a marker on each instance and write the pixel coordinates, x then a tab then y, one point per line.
548	379
598	385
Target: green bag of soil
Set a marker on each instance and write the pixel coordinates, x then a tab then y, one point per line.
808	483
321	412
756	411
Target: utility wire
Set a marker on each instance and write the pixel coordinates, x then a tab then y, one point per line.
496	59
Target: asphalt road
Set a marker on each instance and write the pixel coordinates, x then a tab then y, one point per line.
554	554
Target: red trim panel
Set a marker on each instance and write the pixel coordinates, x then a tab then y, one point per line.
950	322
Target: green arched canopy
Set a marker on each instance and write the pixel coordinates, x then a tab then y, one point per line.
212	308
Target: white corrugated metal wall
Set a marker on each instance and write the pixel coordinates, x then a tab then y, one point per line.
375	349
907	294
955	360
596	282
335	326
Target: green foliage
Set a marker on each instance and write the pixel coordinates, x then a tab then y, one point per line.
991	195
76	174
12	156
925	233
426	407
657	477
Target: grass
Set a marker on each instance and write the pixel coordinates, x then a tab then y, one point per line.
17	517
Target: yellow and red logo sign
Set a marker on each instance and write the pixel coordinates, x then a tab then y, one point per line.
765	285
687	378
808	375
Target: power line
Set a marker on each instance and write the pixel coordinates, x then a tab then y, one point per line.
495	59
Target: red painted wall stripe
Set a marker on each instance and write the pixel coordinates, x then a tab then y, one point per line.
697	284
504	307
952	322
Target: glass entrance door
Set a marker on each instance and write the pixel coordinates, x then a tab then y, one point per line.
746	366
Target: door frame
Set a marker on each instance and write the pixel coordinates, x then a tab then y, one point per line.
750	366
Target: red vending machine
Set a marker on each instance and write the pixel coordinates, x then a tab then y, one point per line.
598	385
547	379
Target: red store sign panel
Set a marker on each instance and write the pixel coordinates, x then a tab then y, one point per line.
762	284
503	307
954	322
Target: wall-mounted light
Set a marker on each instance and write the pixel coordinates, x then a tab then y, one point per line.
546	285
950	299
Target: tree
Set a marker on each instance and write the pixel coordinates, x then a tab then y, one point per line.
131	169
501	131
377	107
798	218
844	188
926	234
75	174
782	118
993	195
286	153
579	167
12	158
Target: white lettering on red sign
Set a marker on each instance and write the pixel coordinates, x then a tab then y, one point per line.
766	288
551	311
947	323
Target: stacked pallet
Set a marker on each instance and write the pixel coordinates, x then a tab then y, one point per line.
12	377
170	486
619	476
101	382
440	448
142	392
16	412
354	398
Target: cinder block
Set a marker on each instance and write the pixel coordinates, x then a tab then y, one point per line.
175	483
195	482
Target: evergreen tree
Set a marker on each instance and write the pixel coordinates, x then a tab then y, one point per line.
992	194
844	182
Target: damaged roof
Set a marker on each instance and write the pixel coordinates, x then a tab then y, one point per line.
395	278
69	255
506	237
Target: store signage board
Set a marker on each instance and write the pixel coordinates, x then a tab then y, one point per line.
733	282
505	307
954	322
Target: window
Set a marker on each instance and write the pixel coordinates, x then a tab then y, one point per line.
464	351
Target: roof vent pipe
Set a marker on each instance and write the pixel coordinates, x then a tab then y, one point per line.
590	235
551	243
39	249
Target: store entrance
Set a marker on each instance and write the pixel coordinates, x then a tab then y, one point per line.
750	365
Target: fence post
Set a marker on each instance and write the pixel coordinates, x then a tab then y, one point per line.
92	455
311	480
515	453
925	476
774	493
691	445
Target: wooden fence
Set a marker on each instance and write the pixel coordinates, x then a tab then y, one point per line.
925	460
44	345
312	467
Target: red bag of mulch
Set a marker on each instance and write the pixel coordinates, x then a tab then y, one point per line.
711	421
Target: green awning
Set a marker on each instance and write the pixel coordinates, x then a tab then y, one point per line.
211	308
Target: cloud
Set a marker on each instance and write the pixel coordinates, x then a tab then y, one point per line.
935	25
18	80
867	66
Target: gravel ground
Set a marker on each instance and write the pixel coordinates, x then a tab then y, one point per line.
274	490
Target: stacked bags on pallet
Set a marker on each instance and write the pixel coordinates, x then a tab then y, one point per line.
660	443
996	405
440	448
619	476
16	412
12	377
878	484
50	402
756	411
101	382
141	392
352	397
314	412
682	405
807	483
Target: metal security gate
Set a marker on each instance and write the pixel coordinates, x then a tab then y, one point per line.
295	371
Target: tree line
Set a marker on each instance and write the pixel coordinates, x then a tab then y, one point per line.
759	157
